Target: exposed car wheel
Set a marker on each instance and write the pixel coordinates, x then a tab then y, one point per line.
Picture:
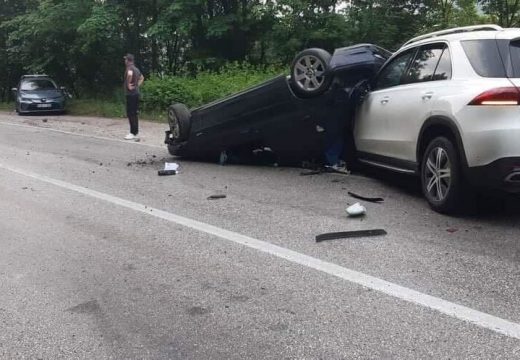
179	119
442	178
310	72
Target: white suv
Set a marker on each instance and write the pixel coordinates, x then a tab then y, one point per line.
446	107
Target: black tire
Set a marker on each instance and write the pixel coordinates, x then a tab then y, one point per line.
442	179
179	119
310	72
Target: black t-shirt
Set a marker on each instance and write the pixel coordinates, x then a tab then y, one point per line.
136	75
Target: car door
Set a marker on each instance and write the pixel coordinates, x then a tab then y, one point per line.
371	123
409	104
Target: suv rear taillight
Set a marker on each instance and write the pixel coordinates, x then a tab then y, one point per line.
498	97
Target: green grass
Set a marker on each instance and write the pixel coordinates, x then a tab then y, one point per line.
95	107
108	108
6	106
99	108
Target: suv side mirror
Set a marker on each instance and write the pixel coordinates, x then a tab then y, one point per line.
63	88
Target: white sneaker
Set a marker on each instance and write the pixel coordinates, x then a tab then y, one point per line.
130	137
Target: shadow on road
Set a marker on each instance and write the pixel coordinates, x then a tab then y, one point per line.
489	206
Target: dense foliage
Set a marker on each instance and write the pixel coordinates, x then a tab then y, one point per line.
158	92
81	42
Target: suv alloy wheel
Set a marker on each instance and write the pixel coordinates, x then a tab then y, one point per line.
442	178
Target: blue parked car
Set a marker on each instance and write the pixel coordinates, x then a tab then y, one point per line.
39	93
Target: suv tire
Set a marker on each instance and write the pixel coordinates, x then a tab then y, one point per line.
442	178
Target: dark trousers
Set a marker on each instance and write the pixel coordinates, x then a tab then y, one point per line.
132	108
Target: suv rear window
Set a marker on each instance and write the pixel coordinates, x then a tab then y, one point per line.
484	57
514	50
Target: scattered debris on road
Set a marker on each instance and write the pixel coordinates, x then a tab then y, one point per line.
318	170
216	197
171	166
364	198
169	169
350	234
44	120
337	169
356	210
150	160
452	230
166	172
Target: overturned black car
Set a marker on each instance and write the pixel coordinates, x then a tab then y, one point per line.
300	117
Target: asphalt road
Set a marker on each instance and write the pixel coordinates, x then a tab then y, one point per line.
103	259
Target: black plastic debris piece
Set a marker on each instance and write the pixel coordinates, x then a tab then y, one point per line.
364	198
216	197
350	234
166	172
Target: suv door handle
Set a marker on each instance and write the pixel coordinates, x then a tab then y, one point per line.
385	100
427	96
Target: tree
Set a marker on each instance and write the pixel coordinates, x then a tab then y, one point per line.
445	14
9	66
43	39
503	12
302	24
388	23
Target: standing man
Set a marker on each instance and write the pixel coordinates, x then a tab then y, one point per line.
133	80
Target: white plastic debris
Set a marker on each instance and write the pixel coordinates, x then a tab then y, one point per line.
356	210
171	166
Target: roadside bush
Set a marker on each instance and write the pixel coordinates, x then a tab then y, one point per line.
159	92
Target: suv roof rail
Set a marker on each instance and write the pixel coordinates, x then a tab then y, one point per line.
34	75
488	27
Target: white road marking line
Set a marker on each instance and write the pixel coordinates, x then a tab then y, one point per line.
484	320
35	127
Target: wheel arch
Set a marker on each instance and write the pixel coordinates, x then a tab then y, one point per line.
440	126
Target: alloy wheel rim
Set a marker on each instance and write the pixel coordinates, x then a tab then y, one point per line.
174	124
309	73
438	174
